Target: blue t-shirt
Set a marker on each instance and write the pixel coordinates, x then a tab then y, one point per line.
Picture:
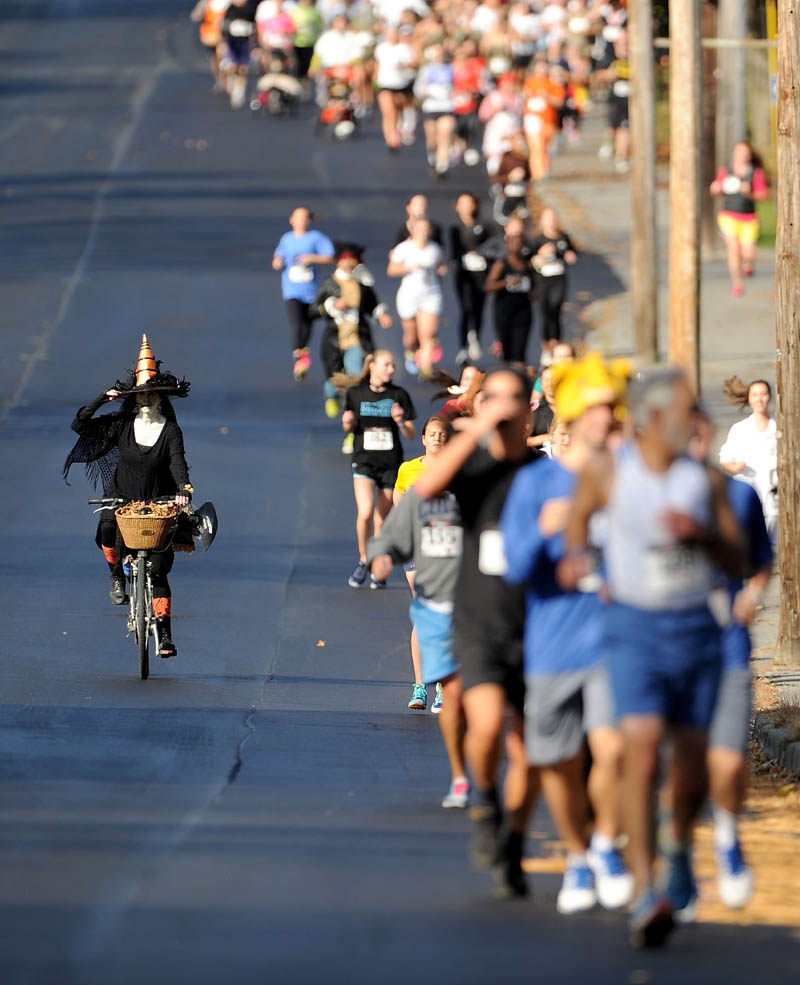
297	282
563	630
746	506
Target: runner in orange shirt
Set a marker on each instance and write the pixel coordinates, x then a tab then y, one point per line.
543	99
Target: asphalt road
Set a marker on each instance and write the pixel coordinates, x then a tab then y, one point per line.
263	808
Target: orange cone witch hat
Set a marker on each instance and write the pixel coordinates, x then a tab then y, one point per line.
146	366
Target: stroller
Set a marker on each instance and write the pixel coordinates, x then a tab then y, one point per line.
337	105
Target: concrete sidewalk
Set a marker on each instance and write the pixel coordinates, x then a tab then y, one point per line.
737	334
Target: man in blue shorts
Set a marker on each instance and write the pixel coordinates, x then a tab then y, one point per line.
668	526
568	692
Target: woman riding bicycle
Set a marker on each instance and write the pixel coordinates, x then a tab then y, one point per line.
138	454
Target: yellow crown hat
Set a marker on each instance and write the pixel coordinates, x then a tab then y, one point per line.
146	368
583	383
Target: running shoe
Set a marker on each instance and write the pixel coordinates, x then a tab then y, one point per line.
302	365
436	356
347	444
613	882
606	151
375	583
650	922
737	290
577	893
332	407
509	879
458	794
734	877
473	346
358	579
748	271
484	846
410	363
438	701
419	698
461	357
622	165
681	889
471	157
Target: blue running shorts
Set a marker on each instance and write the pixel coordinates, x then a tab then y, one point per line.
663	663
435	635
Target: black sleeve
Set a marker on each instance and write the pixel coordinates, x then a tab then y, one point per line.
401	235
570	244
455	244
177	457
316	310
436	232
404	400
85	414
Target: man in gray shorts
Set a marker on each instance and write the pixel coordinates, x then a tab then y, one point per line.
567	686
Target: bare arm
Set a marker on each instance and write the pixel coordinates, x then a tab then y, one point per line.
494	282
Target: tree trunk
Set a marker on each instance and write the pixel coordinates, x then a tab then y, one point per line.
787	289
711	242
685	121
644	283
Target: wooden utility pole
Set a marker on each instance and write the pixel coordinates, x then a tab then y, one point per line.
644	260
731	78
684	187
787	290
711	241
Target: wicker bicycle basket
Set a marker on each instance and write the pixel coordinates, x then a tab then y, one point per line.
146	526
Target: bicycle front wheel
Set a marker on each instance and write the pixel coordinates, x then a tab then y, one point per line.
140	616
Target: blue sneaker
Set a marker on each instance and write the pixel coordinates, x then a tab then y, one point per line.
410	363
734	877
358	579
681	889
613	882
577	892
650	922
419	698
438	701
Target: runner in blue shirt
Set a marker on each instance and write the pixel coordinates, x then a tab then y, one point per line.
567	685
298	255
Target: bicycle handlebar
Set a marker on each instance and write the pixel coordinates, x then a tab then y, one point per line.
117	501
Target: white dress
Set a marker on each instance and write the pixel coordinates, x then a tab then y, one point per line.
419	290
759	451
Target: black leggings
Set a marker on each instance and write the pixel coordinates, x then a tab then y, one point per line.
299	322
512	325
471	299
160	561
551	291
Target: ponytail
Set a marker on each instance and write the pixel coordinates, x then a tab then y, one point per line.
343	382
737	392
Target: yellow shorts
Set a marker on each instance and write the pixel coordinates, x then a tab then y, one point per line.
745	230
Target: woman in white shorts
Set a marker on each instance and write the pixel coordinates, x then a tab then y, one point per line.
420	263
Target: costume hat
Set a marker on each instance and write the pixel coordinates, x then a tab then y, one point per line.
588	382
148	377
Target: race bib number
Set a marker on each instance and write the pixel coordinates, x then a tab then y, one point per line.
514	189
499	64
474	262
441	541
378	439
518	285
492	553
611	33
537	105
298	274
676	570
240	29
552	269
350	316
622	88
731	184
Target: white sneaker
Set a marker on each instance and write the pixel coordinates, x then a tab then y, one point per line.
577	893
613	882
606	151
471	157
622	166
734	878
473	346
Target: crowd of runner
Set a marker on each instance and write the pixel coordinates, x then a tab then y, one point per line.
581	577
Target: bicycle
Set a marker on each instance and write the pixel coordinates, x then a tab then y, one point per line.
136	565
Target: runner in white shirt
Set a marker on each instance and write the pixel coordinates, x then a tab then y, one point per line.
420	264
750	452
395	77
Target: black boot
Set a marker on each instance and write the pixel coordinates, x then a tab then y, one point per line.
166	648
509	879
118	594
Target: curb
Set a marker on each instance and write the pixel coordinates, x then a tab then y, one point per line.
777	743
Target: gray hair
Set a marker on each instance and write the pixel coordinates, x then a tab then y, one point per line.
651	390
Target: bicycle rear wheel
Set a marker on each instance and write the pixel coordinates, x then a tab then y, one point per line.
140	615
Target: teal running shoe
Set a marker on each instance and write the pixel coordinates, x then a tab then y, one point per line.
419	698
